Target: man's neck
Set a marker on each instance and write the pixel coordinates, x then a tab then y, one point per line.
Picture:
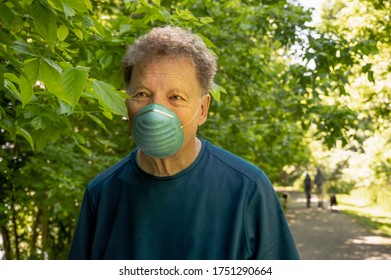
162	167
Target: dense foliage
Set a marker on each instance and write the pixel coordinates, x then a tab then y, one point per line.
364	163
281	83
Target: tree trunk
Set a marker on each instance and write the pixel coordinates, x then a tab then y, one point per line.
35	234
15	229
6	242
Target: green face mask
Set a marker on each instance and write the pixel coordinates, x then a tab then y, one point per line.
157	131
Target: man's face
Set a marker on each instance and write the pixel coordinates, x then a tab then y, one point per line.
170	82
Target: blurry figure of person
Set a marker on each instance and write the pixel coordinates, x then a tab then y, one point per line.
308	189
319	181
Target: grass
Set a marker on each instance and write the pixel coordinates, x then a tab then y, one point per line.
375	217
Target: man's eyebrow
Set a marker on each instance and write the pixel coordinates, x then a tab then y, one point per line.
181	90
139	85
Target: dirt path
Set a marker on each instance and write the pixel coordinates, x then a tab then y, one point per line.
327	235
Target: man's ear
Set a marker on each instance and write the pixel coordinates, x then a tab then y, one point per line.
204	109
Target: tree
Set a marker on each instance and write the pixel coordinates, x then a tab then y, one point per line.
62	111
60	95
367	93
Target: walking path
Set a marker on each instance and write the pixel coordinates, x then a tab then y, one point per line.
332	235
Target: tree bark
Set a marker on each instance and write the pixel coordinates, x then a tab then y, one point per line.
6	242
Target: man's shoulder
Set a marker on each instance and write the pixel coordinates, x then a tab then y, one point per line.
232	162
110	172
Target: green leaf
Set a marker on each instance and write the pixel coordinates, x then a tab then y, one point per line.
216	91
98	121
28	80
26	90
206	20
108	115
79	5
30	69
68	11
110	98
45	22
62	32
52	78
12	77
7	16
73	80
26	135
64	108
9	82
207	42
78	33
1	77
371	77
9	126
5	38
81	147
37	123
366	67
106	60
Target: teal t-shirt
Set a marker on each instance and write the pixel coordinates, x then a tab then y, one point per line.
220	207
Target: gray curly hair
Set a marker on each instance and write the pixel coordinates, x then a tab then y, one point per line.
171	41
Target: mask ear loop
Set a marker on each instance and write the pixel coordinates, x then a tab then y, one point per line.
182	126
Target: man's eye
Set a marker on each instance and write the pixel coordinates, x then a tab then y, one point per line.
140	94
176	97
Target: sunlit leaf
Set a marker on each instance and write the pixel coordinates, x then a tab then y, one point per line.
26	90
110	98
62	32
216	91
52	78
79	5
73	80
30	69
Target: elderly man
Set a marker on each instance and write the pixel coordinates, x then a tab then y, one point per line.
177	196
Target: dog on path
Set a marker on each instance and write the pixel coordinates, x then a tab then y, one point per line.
333	202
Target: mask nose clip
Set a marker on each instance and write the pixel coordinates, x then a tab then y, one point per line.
163	113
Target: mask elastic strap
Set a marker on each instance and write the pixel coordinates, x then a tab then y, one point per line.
182	126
